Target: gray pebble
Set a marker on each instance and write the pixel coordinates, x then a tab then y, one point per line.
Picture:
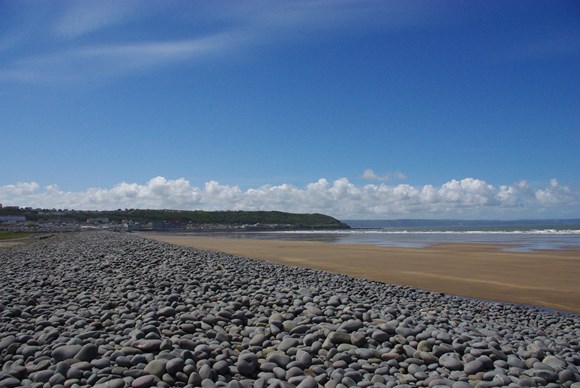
118	310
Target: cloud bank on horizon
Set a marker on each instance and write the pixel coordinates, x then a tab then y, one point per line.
469	198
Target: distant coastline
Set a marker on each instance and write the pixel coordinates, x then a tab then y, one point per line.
457	224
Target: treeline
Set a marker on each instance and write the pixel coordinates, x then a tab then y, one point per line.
184	216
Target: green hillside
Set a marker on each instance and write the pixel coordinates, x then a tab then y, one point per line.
308	221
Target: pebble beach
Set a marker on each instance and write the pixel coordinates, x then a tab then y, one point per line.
108	309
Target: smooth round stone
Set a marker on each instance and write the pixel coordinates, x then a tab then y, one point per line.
166	312
303	357
380	336
461	384
145	381
6	342
450	361
279	359
128	306
246	368
351	326
43	376
473	367
101	363
156	367
288	325
413	369
130	350
300	329
515	362
554	362
221	367
185	343
339	338
28	351
346	347
87	353
56	379
147	345
288	343
174	365
194	379
65	352
258	339
10	382
205	372
114	383
548	375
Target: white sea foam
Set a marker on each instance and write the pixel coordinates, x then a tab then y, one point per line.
514	240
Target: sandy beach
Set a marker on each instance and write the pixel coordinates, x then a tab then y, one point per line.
541	278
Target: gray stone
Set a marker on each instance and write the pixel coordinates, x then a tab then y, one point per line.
156	367
42	377
339	338
119	310
351	326
10	382
113	383
87	353
279	359
65	352
147	345
288	343
473	367
308	382
555	363
247	364
174	365
515	362
380	336
194	379
450	361
6	342
166	312
221	367
303	358
145	381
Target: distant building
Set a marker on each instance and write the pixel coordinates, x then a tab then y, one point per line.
12	219
166	225
98	220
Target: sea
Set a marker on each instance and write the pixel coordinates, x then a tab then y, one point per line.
515	236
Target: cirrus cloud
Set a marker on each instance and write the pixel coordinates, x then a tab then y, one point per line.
468	197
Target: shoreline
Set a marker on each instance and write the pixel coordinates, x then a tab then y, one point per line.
545	279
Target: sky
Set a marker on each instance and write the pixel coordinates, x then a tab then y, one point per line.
357	109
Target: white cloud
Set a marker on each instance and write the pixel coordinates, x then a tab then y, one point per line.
370	175
555	194
65	57
90	16
92	62
341	198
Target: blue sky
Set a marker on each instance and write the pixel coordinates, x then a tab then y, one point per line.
358	109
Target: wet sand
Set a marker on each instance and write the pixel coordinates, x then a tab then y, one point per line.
541	278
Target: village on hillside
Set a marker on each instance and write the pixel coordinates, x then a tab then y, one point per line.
28	219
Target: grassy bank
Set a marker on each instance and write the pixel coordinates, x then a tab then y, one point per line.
8	235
